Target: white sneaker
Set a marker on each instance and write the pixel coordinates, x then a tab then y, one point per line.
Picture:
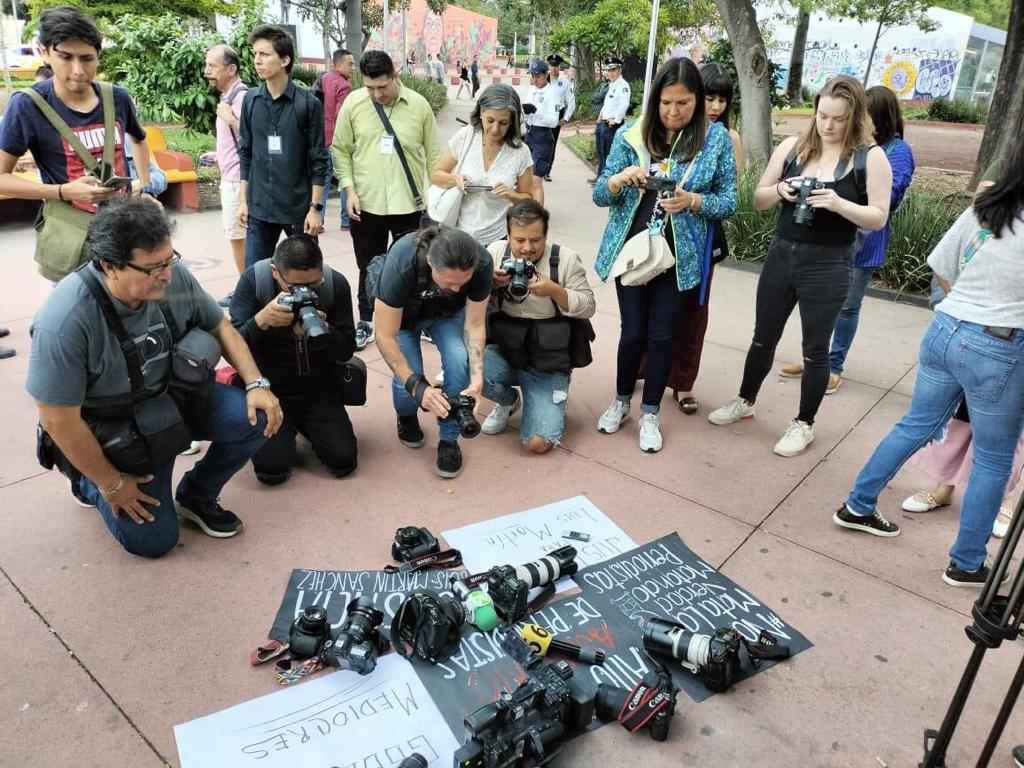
612	418
1002	522
794	441
194	447
497	419
364	334
922	501
733	411
650	433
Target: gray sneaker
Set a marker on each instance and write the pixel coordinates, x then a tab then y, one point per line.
613	417
733	411
364	334
497	419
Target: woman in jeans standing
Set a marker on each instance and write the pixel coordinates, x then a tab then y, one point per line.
888	121
829	184
973	349
673	140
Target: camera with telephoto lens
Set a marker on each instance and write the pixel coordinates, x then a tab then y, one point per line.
415	760
530	723
304	303
521	271
715	659
460	410
309	632
359	641
510	586
411	542
650	704
427	625
803	214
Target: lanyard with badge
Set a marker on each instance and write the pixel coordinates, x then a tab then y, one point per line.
387	141
274	144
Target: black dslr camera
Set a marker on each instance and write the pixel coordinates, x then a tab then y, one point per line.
530	723
803	214
427	625
359	642
509	586
521	271
715	659
304	303
415	760
460	410
309	632
413	542
649	705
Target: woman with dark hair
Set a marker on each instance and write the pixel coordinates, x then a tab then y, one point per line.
830	181
973	350
888	121
693	318
463	80
489	163
673	142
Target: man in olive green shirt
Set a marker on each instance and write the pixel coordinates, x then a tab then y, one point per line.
366	160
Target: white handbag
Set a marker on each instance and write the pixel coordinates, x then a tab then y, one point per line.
443	203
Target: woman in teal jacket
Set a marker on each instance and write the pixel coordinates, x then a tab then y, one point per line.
672	136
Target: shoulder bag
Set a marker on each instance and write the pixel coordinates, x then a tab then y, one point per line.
61	228
444	203
417	200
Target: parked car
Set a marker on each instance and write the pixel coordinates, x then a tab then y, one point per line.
23	61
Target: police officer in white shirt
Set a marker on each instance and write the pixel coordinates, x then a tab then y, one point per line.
542	105
556	65
613	113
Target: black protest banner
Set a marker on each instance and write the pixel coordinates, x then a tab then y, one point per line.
666	579
334	590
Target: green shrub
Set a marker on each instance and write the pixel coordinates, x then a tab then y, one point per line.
435	94
720	51
957	111
583	145
807	96
749	231
585	109
915	113
306	75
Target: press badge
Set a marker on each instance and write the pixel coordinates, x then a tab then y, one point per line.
387	144
273	145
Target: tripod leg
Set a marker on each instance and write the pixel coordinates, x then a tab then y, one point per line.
936	756
1004	714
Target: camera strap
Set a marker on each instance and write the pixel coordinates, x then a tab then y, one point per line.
650	696
449	558
767	647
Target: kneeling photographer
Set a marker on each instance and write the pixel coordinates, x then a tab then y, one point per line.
296	315
436	280
540	331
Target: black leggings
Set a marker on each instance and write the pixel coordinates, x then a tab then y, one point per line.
817	278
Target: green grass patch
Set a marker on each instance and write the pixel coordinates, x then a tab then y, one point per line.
190	142
583	145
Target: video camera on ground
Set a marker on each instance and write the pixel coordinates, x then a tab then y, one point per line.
304	303
530	723
521	271
509	587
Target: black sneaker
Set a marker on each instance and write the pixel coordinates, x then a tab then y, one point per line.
76	491
211	517
956	577
409	433
1018	756
874	523
449	459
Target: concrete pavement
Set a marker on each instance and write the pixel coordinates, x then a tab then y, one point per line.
108	652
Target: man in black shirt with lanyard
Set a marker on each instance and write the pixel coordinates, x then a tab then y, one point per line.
281	150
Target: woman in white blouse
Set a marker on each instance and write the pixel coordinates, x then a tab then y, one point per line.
489	163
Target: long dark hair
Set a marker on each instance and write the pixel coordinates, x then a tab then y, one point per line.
672	72
448	248
885	114
718	82
1001	204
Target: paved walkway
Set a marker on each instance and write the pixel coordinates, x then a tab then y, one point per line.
107	652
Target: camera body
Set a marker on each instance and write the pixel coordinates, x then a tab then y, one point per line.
715	659
415	760
529	723
309	632
411	542
660	185
803	214
359	641
304	303
460	410
427	625
509	587
521	271
656	692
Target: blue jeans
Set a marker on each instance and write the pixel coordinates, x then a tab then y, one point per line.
958	359
544	395
234	441
447	335
342	192
262	236
849	316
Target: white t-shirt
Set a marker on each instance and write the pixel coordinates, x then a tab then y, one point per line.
482	214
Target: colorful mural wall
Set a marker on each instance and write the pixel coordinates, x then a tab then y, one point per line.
914	64
456	35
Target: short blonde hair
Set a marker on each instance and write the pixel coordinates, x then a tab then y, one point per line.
859	127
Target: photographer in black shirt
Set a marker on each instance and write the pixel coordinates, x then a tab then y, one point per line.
298	348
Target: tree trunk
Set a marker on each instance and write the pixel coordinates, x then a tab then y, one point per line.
796	57
354	28
326	24
584	74
874	45
755	81
1007	112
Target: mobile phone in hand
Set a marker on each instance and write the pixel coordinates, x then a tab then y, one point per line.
479	187
118	182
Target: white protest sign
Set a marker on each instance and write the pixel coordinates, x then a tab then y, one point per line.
338	720
525	536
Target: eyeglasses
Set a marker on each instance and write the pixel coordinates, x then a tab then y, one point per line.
158	268
311	286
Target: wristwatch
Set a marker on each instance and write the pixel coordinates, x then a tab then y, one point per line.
261	383
318	207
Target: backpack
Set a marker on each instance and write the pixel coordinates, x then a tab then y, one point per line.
267	289
374	270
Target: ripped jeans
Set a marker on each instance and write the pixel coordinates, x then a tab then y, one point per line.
544	395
